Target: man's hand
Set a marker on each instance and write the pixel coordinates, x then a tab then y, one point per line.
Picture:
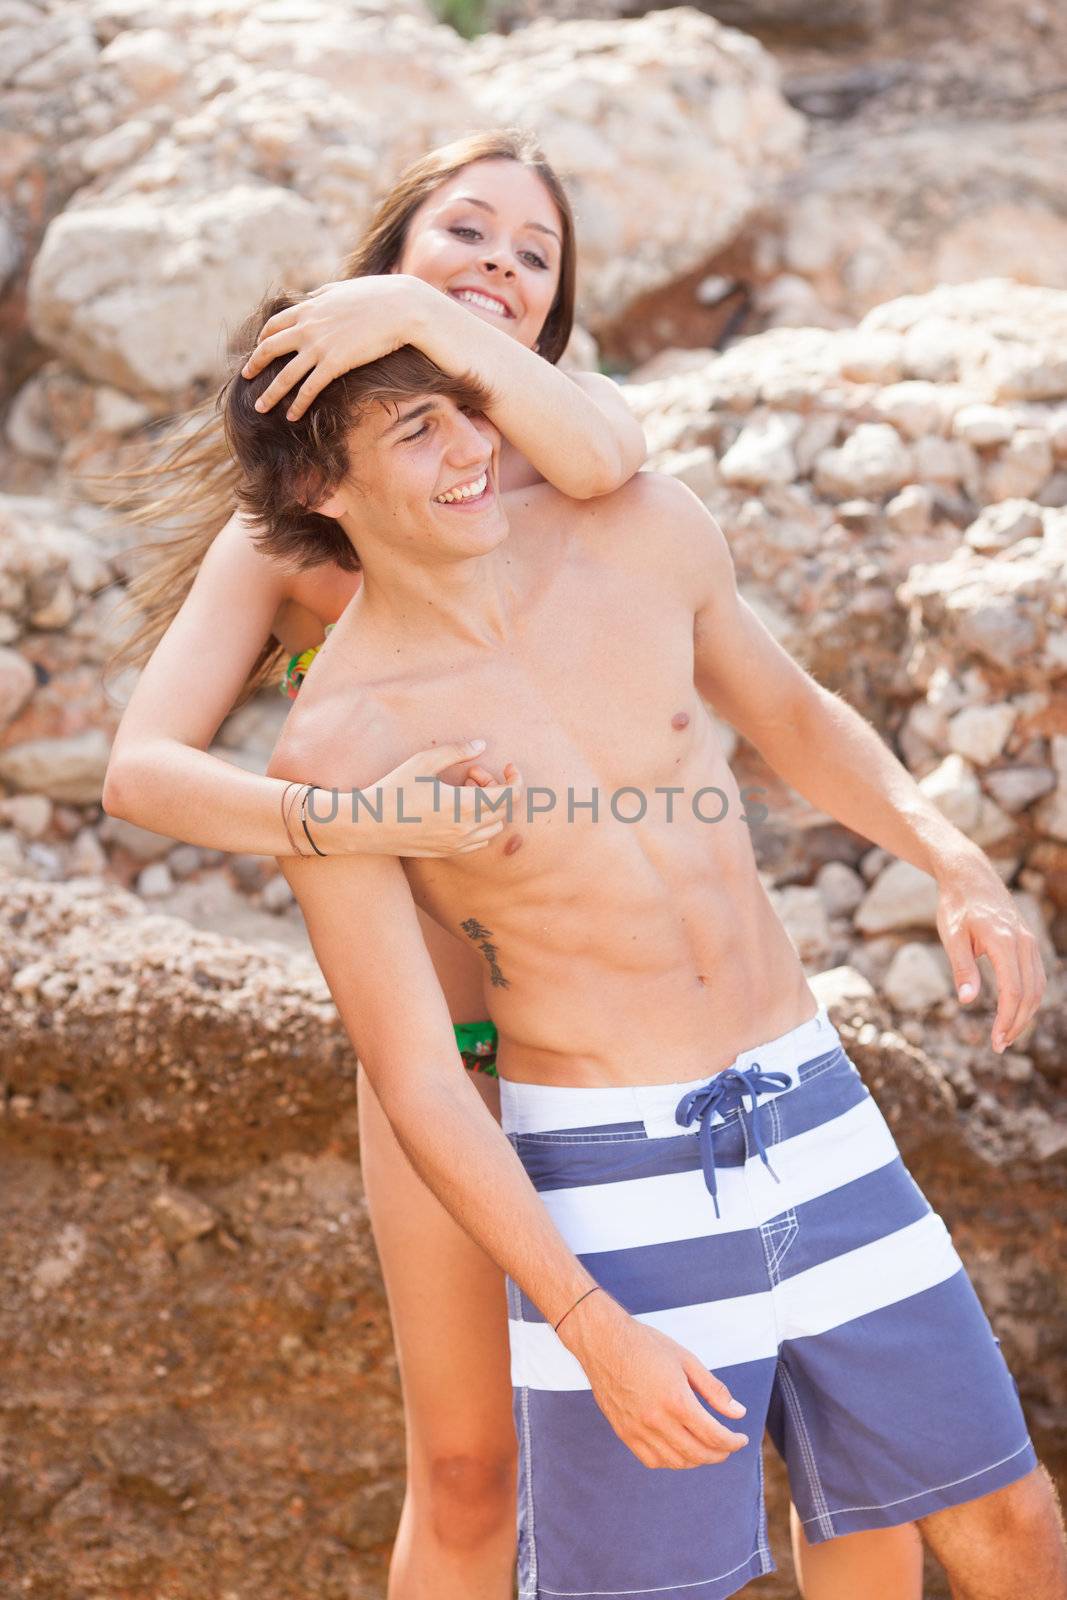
977	916
647	1384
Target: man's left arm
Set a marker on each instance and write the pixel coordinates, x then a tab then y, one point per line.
832	756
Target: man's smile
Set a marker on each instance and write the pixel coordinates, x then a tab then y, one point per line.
472	492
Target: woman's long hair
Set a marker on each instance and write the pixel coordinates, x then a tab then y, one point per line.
192	485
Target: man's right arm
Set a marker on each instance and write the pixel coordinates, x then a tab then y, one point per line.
364	929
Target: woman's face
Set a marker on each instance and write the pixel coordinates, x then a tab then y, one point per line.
491	238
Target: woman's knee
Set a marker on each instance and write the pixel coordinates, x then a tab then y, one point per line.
471	1496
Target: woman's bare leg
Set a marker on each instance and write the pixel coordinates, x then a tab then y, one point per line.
456	1539
883	1564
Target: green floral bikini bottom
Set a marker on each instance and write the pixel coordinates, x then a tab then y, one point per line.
476	1041
477	1046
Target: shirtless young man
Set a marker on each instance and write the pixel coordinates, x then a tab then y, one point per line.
682	1128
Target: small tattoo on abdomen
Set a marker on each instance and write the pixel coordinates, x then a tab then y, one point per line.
480	935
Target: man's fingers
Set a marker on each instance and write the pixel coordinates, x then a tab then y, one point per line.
711	1434
1032	978
676	1451
1005	961
961	955
1040	976
683	1432
711	1388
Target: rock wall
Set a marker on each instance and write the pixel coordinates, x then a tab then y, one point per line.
190	1299
201	1396
236	145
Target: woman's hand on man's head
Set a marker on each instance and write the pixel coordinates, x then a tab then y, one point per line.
338	326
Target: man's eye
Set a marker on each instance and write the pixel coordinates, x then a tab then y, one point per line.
417	434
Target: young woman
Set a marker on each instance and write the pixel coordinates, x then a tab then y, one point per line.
470	257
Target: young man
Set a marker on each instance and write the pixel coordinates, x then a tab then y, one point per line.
683	1131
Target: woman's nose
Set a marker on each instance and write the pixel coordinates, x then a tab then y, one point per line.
492	264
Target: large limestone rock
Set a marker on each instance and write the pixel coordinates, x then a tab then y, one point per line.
666	129
57	627
234	146
926	200
121	288
835	463
193	1319
70	768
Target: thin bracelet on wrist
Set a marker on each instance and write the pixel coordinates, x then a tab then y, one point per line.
287	811
308	792
578	1302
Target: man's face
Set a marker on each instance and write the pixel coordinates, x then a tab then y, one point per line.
423	479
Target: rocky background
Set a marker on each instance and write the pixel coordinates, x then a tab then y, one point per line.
824	246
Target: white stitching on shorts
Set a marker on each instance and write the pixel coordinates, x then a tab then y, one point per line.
823	1517
661	1588
933	1489
528	1485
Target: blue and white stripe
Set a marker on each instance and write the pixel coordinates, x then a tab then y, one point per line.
815	1293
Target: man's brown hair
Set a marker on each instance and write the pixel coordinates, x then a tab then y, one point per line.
285	467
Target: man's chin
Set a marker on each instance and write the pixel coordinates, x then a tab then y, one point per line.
475	533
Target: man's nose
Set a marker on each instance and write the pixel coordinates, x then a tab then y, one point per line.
469	444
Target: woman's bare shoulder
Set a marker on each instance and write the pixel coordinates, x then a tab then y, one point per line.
301	595
233	552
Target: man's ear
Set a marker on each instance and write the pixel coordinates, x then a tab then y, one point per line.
327	502
330	505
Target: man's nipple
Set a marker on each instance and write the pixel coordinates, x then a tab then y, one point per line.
680	720
512	843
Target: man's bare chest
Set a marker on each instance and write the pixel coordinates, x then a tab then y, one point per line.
592	690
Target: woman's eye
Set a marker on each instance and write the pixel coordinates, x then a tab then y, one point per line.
463	231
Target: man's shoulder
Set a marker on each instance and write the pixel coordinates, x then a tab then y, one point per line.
658	522
304	743
333	732
642	496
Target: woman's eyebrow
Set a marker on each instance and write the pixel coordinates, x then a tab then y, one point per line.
484	204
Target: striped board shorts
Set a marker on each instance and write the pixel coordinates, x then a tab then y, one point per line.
765	1220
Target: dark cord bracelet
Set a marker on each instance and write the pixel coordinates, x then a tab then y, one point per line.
309	791
578	1302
